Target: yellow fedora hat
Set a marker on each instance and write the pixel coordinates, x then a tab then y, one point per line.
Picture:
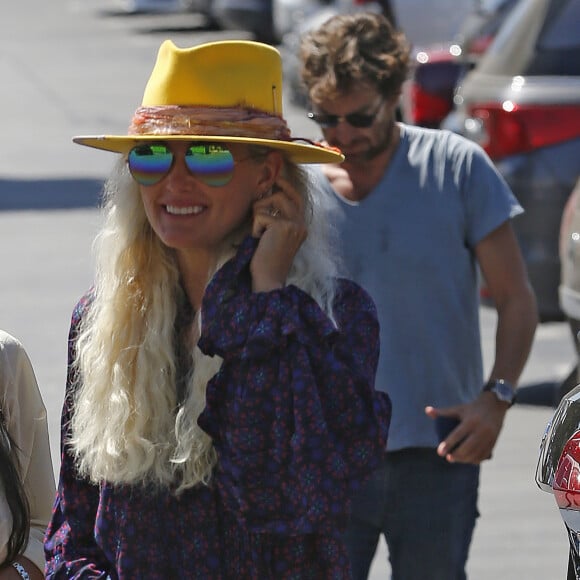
227	91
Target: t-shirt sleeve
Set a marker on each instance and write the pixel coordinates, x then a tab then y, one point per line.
488	198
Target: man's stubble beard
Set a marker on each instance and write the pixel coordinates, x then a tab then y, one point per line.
370	154
378	149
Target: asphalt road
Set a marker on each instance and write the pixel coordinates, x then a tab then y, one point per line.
70	68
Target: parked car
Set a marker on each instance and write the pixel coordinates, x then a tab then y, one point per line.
254	16
569	291
428	95
558	471
437	69
522	104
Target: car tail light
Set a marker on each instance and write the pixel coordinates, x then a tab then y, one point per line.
566	484
428	109
431	94
479	45
508	129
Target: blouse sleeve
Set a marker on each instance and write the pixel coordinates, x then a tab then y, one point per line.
70	546
293	412
26	421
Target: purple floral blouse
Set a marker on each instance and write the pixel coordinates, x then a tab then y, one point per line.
297	426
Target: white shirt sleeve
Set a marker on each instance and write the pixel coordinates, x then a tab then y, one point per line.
26	421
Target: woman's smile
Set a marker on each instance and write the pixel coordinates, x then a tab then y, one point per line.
180	210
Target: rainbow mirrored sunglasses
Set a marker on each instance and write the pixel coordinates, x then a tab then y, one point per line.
211	163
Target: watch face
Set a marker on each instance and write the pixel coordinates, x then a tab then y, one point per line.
503	391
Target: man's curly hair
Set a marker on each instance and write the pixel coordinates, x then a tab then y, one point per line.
350	50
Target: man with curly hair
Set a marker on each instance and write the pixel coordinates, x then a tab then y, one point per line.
424	210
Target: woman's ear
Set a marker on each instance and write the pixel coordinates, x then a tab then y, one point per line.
271	169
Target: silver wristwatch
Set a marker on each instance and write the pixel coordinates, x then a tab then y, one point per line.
503	390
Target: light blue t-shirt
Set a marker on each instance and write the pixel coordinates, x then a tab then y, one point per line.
410	243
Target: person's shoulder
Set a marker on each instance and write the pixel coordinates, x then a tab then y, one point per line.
351	294
10	346
7	339
458	152
455	140
84	302
443	137
14	362
81	307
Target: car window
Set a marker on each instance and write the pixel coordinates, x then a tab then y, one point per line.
494	5
497	17
539	37
563	30
558	46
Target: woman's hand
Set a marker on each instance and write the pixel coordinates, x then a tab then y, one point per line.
280	223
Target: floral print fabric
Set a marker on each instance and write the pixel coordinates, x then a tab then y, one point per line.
297	426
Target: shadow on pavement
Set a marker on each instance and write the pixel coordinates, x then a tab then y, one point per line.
549	393
152	22
43	194
539	394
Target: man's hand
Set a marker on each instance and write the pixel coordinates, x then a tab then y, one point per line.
473	440
339	179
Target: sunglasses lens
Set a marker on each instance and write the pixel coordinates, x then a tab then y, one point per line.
149	164
325	121
211	163
360	120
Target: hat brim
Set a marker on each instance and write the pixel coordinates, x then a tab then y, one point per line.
295	151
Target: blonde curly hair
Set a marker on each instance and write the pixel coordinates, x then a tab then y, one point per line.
129	423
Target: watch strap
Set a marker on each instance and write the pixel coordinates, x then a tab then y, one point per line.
503	390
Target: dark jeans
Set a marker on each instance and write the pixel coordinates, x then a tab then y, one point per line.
425	507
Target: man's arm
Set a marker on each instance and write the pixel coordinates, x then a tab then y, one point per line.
505	274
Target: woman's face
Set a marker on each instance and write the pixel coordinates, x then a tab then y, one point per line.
189	214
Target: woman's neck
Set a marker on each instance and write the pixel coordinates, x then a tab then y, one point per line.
196	269
198	265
